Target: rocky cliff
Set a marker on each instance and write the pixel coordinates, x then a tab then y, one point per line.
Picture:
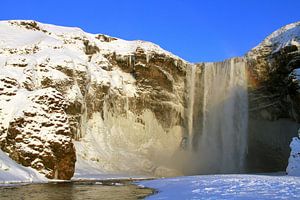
122	101
273	69
72	98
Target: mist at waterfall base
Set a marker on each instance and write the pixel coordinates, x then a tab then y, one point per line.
217	118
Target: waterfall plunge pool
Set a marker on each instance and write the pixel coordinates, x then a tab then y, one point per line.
75	190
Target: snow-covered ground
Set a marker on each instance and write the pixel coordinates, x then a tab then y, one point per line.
208	187
11	172
89	170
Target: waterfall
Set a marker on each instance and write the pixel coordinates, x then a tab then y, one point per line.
190	110
217	133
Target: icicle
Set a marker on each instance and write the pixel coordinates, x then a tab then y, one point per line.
56	174
83	120
130	61
84	109
147	58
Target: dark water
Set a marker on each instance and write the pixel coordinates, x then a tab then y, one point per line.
74	191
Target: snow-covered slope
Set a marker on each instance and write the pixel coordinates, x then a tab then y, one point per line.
11	172
226	187
288	35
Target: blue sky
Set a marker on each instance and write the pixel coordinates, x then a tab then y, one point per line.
192	29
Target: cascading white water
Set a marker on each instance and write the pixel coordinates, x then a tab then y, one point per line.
191	100
217	117
223	141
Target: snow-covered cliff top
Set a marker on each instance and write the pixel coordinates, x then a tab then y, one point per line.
285	36
21	33
30	43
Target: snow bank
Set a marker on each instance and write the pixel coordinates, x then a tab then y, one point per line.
293	168
91	170
11	172
258	187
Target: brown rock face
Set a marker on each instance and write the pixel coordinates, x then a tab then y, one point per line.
40	136
159	80
272	86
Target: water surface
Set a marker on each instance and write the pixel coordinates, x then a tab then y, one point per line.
74	191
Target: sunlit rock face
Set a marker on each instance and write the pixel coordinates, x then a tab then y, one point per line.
35	131
73	101
273	98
